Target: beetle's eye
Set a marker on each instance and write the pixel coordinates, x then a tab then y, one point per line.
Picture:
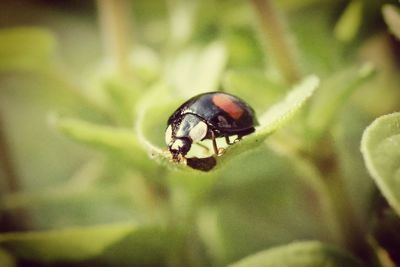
168	135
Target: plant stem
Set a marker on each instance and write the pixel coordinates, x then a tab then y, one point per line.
7	164
277	40
114	26
322	173
354	235
17	219
282	144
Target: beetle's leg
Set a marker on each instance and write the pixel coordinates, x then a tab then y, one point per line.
214	142
206	148
228	142
237	139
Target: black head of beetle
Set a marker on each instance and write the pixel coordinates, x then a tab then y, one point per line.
182	133
179	147
208	116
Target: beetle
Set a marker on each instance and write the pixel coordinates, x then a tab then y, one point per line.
208	116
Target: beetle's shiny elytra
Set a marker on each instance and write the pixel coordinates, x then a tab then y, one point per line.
208	116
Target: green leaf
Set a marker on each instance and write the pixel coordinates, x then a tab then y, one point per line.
197	70
254	86
296	4
33	96
146	246
284	110
119	141
71	244
241	41
26	49
350	21
391	16
146	62
83	204
300	254
320	52
6	260
380	146
275	117
332	95
181	21
122	96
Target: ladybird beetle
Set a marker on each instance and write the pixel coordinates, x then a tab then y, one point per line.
208	116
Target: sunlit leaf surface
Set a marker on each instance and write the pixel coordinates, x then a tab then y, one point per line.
380	146
301	254
65	244
391	15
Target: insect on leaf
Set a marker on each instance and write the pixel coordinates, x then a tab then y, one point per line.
271	120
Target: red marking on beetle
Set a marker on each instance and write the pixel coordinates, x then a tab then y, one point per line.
225	103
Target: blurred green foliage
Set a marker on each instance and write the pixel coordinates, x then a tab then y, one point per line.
85	178
300	254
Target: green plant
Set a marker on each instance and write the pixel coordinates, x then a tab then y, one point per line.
86	179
